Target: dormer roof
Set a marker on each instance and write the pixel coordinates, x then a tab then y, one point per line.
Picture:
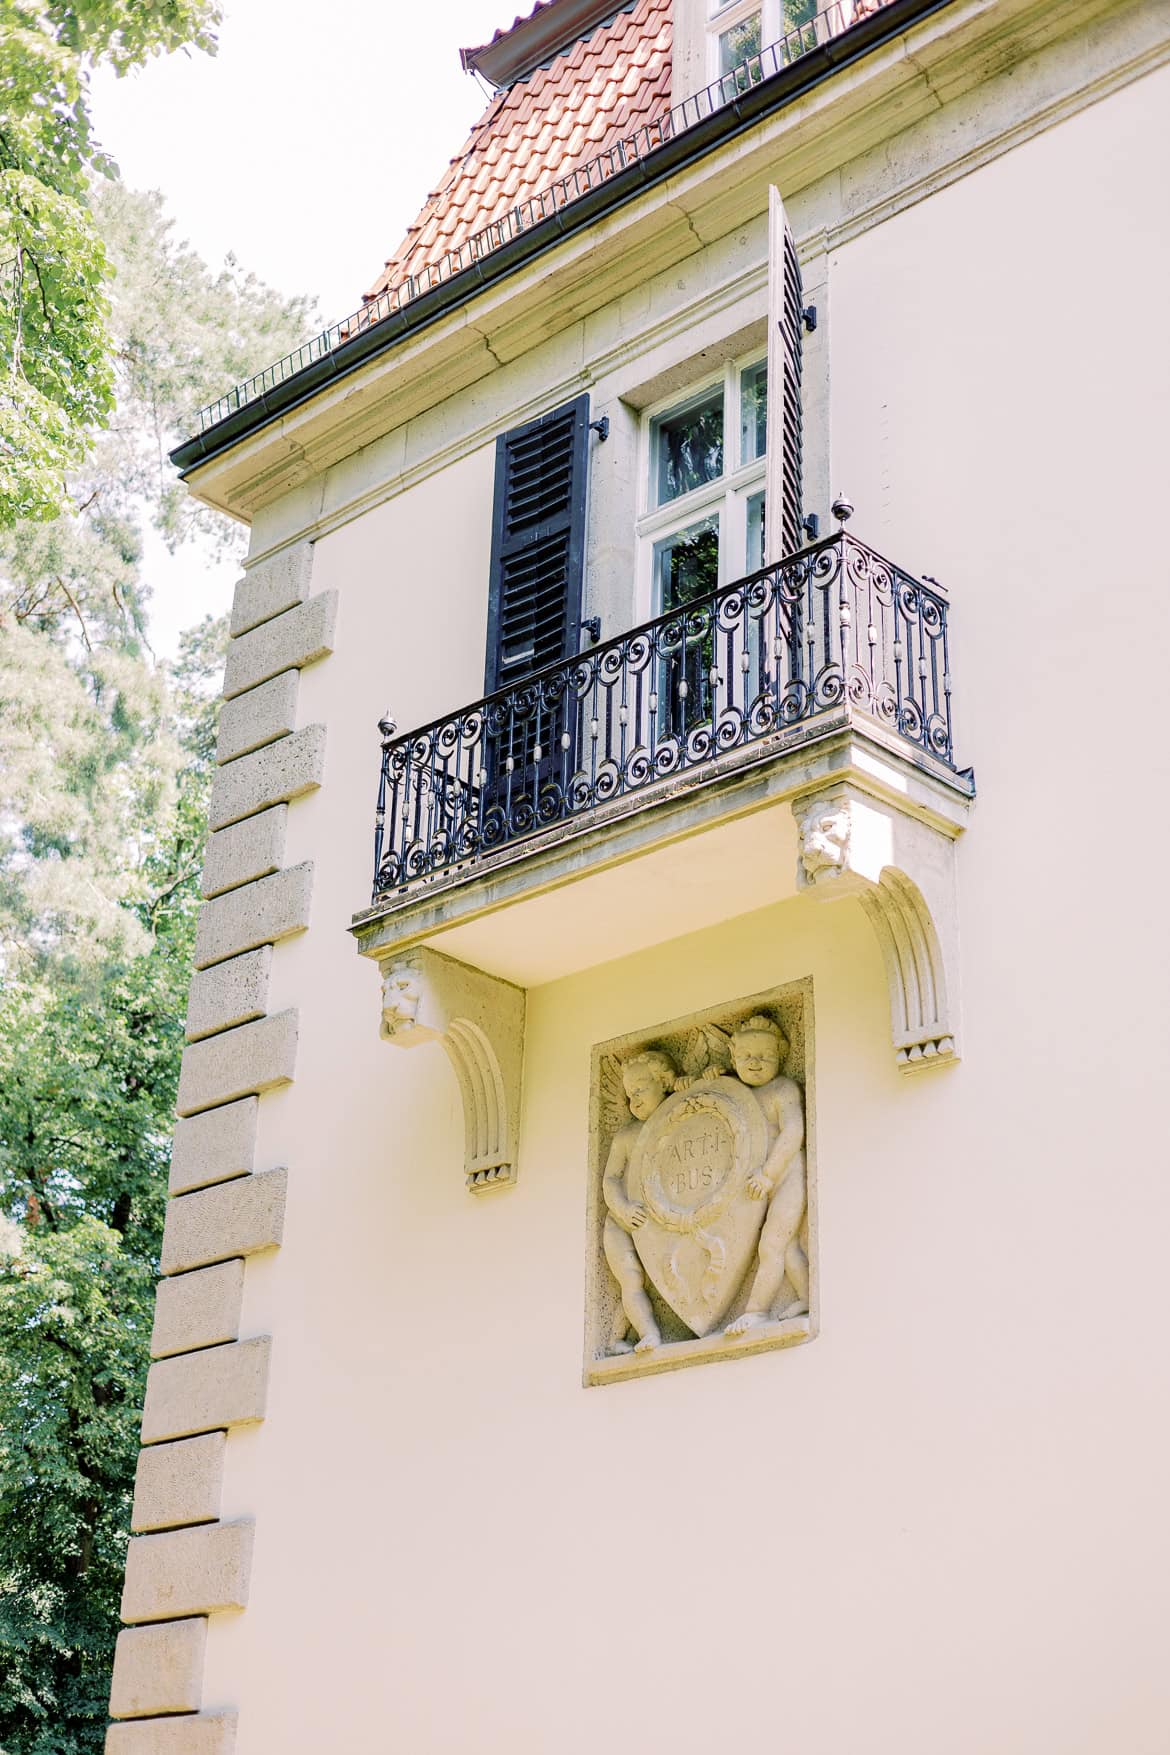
609	80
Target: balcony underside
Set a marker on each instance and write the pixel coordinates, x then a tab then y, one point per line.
709	843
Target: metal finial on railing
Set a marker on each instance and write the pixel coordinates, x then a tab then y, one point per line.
387	725
842	509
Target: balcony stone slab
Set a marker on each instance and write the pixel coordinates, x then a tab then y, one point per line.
178	1483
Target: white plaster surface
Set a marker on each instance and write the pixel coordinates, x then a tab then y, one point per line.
942	1525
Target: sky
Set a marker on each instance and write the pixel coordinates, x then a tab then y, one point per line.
304	148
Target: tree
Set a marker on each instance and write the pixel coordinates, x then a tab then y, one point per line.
56	374
105	759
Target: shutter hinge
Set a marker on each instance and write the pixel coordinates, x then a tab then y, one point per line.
600	427
811	525
809	315
592	627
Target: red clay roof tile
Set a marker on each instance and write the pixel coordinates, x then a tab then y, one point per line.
585	99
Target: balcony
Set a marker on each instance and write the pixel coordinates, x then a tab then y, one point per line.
790	732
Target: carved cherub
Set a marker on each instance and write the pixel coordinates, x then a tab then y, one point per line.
825	832
637	1088
758	1047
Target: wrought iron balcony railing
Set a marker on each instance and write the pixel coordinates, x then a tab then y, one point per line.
833	627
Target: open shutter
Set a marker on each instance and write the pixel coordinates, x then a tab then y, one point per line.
538	545
784	531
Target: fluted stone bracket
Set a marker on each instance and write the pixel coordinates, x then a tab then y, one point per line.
479	1020
902	870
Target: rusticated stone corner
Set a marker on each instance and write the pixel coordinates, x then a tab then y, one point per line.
271	586
262	913
210	1734
258	717
286	769
229	993
204	1392
159	1669
179	1483
231	1218
200	1309
188	1572
249	849
240	1063
214	1146
299	637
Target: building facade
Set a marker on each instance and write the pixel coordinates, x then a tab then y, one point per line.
667	1215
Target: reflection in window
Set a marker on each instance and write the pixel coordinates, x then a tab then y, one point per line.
688	449
753	412
742	43
686	564
756	530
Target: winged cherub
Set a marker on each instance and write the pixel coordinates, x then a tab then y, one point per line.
758	1048
646	1079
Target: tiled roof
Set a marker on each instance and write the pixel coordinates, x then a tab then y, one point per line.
604	87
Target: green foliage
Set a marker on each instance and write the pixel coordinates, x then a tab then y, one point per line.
56	370
105	760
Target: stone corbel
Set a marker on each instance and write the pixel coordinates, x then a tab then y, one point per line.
479	1021
902	870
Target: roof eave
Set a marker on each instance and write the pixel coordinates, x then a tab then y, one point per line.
742	113
513	53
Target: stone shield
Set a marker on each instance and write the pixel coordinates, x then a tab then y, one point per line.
690	1169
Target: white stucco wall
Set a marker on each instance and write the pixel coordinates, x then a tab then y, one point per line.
940	1526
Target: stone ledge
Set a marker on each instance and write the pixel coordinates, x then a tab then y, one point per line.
213	1734
288	642
158	1669
179	1483
271	586
230	993
188	1572
262	913
206	1392
240	1063
248	849
200	1309
214	1146
258	717
286	769
232	1218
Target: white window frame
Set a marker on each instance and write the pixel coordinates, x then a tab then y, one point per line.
734	12
728	495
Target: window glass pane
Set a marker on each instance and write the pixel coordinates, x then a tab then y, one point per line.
741	43
686	565
755	533
753	412
688	449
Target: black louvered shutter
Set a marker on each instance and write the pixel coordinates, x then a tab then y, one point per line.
538	545
792	334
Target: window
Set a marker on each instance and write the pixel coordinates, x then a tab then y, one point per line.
704	518
740	29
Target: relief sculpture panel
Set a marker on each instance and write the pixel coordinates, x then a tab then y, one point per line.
700	1194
